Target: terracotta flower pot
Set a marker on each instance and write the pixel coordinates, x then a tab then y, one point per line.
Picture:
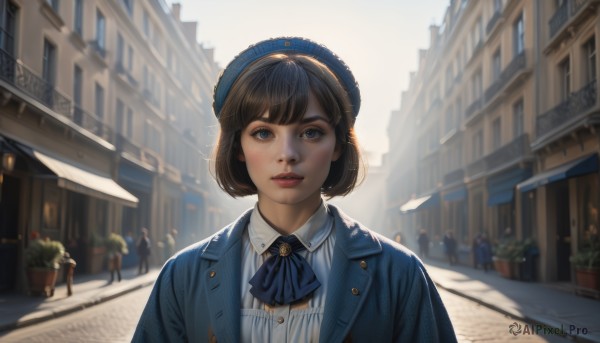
42	281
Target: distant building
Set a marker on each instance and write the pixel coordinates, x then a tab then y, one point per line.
498	129
106	107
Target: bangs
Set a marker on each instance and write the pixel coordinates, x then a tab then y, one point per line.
281	90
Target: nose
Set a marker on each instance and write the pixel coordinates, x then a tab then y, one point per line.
288	150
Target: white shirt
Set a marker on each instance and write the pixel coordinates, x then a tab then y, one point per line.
286	323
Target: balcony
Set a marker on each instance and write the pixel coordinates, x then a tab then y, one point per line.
454	176
475	168
517	65
491	25
514	151
559	18
567	17
25	80
20	77
473	109
575	106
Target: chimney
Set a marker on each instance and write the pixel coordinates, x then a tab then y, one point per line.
189	30
176	11
434	30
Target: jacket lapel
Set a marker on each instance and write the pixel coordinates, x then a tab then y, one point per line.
351	276
222	281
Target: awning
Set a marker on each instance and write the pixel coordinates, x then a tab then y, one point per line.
421	203
86	182
456	194
582	166
501	187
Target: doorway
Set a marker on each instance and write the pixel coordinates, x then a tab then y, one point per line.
9	232
563	232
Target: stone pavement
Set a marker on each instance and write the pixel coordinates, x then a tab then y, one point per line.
545	304
551	305
18	310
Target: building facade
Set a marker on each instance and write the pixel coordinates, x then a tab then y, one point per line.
504	104
104	110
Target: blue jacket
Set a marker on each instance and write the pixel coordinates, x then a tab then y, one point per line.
379	292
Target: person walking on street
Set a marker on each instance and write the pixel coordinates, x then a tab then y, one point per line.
450	248
143	250
294	268
423	240
115	247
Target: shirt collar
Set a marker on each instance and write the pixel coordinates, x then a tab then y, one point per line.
311	234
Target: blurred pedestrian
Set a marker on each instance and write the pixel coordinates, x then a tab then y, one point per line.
143	248
130	259
483	252
294	268
450	248
170	243
69	266
423	240
115	247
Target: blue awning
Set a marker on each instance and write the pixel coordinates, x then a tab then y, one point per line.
424	202
582	166
456	194
501	186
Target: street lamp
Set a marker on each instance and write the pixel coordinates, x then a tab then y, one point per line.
8	164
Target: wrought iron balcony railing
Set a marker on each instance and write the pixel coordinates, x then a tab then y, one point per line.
474	107
576	105
493	21
24	79
517	64
454	176
559	18
517	149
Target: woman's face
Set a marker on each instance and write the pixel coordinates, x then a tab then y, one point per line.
289	163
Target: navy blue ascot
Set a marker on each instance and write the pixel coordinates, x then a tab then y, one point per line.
286	276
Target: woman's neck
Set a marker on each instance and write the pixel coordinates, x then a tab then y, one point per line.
286	219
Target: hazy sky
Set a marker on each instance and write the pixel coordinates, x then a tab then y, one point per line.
378	40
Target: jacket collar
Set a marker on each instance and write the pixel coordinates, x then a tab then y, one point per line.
354	244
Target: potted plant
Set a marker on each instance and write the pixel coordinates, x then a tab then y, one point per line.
587	266
96	253
42	261
509	255
115	247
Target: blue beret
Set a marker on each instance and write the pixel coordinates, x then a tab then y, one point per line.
295	45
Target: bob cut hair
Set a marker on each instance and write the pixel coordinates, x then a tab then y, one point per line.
280	85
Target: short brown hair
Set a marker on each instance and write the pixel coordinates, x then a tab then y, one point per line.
280	85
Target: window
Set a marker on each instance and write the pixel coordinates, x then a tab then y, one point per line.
459	111
120	52
497	6
518	36
449	120
49	63
518	119
77	95
152	137
146	24
119	117
78	13
129	131
477	144
565	78
99	92
496	65
589	49
496	133
130	58
128	6
449	77
477	85
8	27
55	4
100	32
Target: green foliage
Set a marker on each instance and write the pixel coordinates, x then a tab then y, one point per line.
115	243
44	253
588	256
96	241
514	250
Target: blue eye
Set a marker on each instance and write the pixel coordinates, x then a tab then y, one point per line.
312	133
261	134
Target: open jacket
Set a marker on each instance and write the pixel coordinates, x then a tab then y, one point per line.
379	292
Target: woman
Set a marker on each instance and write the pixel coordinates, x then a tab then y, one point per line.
293	268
